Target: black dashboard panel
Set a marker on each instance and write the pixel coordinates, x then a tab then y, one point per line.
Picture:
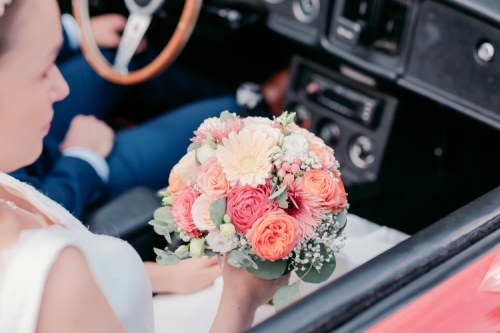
453	56
398	40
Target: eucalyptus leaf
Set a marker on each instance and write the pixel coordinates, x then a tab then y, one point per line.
193	146
225	116
209	253
167	237
286	295
341	218
159	224
165	258
269	270
287	134
217	211
312	275
164	214
278	192
160	231
241	259
282	200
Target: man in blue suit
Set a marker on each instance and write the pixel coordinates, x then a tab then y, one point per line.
83	161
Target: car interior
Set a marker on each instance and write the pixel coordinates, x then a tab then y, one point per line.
404	91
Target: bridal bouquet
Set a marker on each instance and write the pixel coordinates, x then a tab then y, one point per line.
266	192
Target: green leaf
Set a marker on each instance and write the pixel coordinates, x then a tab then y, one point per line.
239	259
159	224
315	276
217	211
286	295
269	270
167	237
166	258
281	200
225	116
160	231
164	214
287	134
278	192
210	253
193	146
341	218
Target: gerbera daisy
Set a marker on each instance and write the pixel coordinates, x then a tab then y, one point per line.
217	130
246	157
304	207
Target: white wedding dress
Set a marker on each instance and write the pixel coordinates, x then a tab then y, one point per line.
24	267
122	277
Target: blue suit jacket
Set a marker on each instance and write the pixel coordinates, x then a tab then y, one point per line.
69	181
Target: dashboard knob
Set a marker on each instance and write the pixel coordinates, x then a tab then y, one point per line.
361	152
485	52
330	133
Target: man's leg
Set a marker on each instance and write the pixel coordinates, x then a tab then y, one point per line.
144	156
89	94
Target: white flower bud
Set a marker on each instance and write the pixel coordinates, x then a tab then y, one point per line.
168	200
227	218
197	247
227	230
204	153
181	250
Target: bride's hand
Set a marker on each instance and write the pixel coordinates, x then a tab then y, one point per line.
243	294
187	277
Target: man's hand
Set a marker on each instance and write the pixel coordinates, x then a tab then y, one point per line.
107	31
90	133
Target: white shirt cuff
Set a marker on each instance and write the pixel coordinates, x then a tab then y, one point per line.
97	162
72	31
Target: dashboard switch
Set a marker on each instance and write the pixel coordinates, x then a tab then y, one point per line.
348	30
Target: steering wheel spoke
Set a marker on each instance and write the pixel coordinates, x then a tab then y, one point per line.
137	24
134	32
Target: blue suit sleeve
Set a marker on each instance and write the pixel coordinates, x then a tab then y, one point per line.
71	182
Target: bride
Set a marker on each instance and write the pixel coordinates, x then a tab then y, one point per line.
56	276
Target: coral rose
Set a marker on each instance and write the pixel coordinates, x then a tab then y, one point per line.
211	179
274	235
181	209
245	204
329	189
201	213
324	154
175	184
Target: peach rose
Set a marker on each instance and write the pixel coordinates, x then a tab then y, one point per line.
274	235
175	184
211	179
245	204
324	154
181	209
312	139
329	189
201	213
186	168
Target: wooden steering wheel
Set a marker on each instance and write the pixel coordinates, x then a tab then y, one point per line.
141	12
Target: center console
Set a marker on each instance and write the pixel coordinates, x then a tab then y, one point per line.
354	119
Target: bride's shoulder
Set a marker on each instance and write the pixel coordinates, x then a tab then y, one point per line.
73	296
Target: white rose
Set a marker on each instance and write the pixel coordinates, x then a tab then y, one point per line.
219	243
257	121
227	230
295	145
271	132
197	247
204	152
186	169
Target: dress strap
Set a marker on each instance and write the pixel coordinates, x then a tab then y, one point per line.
22	278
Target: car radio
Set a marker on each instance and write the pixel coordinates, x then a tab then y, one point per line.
354	119
342	99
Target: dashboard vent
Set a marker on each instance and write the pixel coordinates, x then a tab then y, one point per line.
391	26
